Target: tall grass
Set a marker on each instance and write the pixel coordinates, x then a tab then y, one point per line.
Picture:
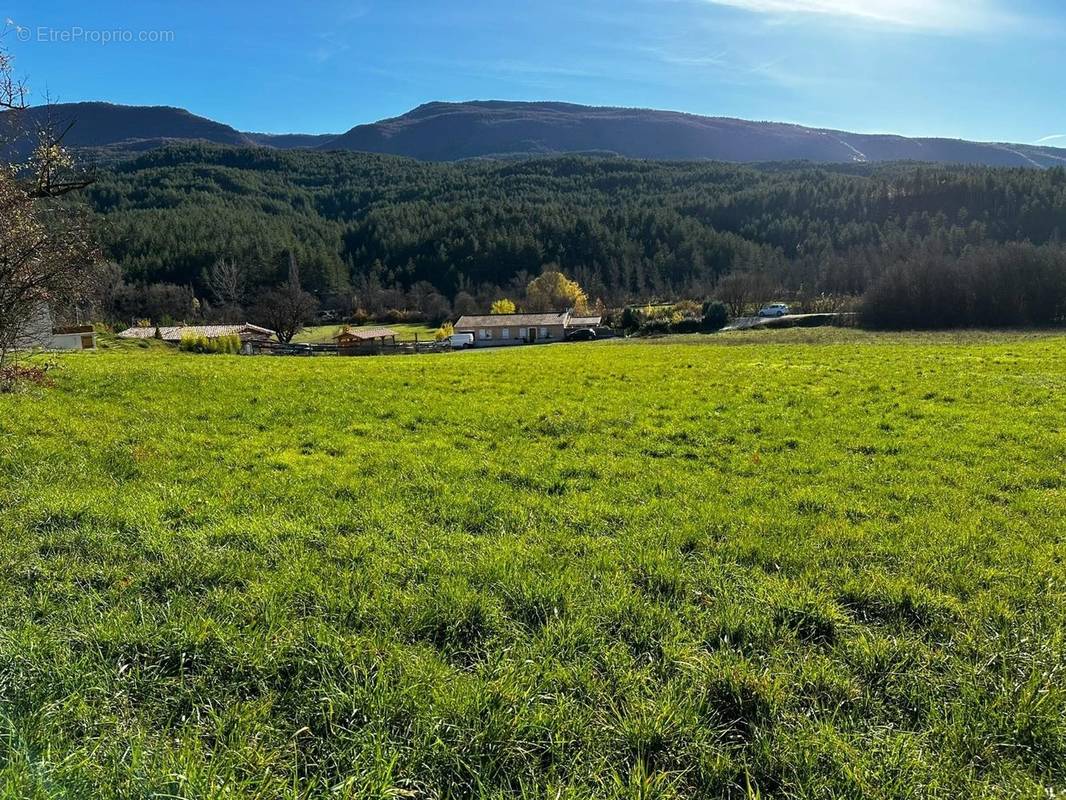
826	565
218	345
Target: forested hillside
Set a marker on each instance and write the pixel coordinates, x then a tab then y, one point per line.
393	231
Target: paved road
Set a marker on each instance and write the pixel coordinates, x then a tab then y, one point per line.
789	320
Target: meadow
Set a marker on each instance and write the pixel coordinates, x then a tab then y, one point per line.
803	564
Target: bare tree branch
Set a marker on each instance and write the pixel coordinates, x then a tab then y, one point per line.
288	308
46	250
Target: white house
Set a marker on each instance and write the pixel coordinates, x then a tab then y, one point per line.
41	333
495	330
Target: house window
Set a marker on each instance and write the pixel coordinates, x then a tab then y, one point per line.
484	333
505	333
545	333
522	333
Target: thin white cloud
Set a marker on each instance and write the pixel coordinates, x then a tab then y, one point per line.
328	48
680	60
1053	137
929	15
738	69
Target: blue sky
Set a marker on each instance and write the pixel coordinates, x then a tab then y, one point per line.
977	69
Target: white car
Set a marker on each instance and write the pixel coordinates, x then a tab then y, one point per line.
774	310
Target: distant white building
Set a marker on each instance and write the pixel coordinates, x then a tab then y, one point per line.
41	333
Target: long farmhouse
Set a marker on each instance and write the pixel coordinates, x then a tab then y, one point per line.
175	333
496	330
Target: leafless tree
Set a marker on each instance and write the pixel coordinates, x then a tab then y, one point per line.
106	290
431	304
228	282
13	91
465	303
741	290
46	257
46	251
287	308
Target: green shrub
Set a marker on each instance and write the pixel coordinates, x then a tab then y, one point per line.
681	317
688	309
715	315
687	325
652	326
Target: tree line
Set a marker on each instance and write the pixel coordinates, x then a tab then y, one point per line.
379	235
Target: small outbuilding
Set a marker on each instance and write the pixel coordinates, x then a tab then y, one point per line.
41	333
73	337
352	341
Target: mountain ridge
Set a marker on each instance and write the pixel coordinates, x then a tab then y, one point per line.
439	131
453	131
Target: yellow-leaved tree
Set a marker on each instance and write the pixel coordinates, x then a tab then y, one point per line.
502	306
553	291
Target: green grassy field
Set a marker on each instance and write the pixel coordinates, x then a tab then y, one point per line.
811	564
